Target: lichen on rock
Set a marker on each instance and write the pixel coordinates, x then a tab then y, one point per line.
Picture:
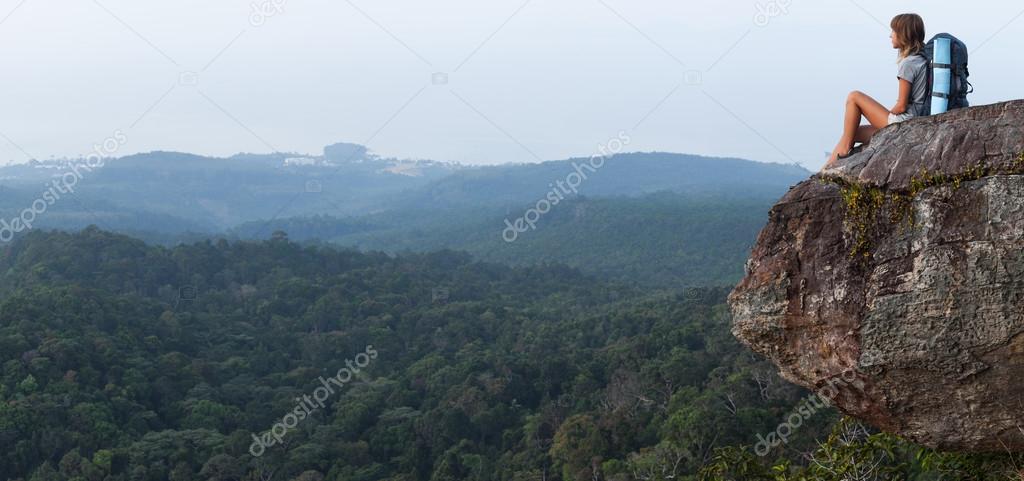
904	266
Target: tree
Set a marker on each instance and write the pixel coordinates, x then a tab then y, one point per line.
578	447
222	467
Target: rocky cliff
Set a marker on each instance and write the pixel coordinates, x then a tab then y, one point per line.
894	283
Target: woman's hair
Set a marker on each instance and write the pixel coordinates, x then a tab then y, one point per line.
909	30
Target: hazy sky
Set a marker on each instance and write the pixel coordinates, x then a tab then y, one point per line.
526	80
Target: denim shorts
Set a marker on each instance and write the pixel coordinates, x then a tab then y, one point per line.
893	118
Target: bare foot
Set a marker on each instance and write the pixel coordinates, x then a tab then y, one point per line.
831	160
839	151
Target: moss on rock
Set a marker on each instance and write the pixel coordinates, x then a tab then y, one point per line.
871	210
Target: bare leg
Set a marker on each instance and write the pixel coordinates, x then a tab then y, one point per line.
864	134
858	105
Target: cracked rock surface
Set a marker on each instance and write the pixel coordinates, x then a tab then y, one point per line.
922	336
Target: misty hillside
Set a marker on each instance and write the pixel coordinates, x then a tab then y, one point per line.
621	175
215	193
195	193
657	240
656	219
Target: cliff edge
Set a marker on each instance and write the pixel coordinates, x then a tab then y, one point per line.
894	283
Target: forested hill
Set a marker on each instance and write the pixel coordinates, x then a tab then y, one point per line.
273	361
125	361
170	193
657	241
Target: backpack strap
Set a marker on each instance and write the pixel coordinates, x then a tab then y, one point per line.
930	84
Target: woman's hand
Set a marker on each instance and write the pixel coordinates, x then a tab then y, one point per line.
904	99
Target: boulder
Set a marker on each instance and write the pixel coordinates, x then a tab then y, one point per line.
893	284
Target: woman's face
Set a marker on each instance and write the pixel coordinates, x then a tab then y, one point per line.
895	41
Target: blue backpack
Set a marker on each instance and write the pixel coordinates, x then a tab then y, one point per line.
959	86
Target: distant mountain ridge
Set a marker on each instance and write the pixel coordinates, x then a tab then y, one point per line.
216	194
652	218
621	175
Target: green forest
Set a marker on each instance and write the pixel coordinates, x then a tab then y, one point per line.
210	361
657	240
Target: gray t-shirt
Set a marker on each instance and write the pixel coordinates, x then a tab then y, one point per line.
914	69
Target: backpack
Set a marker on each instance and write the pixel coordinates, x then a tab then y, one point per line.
959	86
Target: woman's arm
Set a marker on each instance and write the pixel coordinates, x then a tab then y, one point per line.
904	99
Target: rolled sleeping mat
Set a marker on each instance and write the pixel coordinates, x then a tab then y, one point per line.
942	76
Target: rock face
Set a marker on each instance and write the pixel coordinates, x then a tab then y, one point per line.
916	329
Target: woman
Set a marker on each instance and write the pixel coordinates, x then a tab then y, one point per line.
907	37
